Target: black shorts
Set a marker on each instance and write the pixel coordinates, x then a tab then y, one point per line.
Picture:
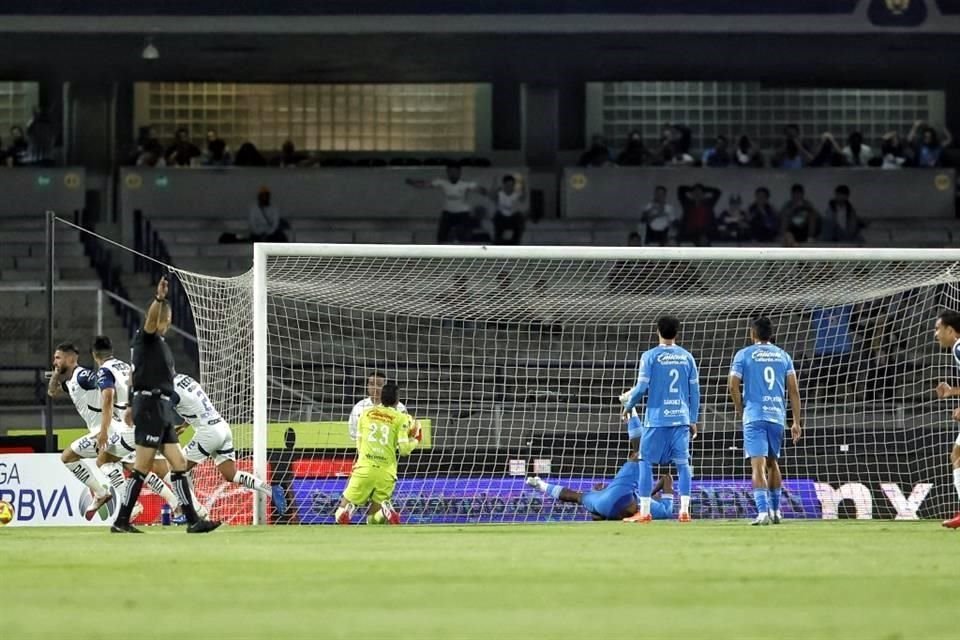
153	420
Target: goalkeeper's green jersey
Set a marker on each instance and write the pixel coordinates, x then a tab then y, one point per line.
382	432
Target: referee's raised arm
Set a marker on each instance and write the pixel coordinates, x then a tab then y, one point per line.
158	308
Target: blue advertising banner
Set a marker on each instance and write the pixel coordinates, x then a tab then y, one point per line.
494	500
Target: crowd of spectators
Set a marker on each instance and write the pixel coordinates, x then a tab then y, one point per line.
700	219
149	151
922	147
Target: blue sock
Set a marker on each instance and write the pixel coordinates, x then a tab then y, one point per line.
760	498
775	499
553	490
645	482
684	478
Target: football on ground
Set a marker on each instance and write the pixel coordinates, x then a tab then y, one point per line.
842	579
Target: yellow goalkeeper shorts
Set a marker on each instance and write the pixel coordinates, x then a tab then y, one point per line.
369	484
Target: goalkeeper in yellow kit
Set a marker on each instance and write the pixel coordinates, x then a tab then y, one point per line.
382	432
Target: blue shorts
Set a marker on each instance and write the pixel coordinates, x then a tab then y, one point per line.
762	439
662	509
664	445
609	502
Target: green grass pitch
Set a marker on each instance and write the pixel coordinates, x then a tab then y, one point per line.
844	579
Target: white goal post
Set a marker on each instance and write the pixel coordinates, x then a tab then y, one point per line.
517	355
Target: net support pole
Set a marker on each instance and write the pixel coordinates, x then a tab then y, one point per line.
51	442
259	377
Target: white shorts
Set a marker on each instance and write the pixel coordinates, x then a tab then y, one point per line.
119	442
211	441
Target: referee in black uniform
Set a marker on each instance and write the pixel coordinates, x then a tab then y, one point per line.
153	416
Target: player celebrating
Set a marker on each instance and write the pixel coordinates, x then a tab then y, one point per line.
80	383
668	377
212	438
947	332
767	375
382	431
375	382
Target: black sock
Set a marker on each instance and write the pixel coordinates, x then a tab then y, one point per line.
132	492
181	487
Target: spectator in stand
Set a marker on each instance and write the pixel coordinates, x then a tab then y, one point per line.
146	137
747	155
598	155
799	217
857	154
217	154
733	225
698	203
718	155
509	216
793	156
456	218
634	154
42	137
264	218
658	218
289	157
151	155
249	156
18	152
678	137
928	148
793	153
182	152
893	152
764	219
634	239
829	154
840	220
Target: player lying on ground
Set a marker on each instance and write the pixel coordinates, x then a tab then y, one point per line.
80	384
382	432
668	377
947	332
767	376
618	499
213	438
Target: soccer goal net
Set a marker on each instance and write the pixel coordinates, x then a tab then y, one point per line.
513	358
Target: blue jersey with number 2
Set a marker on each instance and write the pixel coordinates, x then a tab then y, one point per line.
763	368
668	376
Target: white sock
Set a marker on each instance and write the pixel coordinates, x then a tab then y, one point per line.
956	480
160	488
684	504
251	481
86	476
114	473
541	485
644	506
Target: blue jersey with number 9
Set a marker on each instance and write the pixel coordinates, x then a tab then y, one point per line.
668	375
763	368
